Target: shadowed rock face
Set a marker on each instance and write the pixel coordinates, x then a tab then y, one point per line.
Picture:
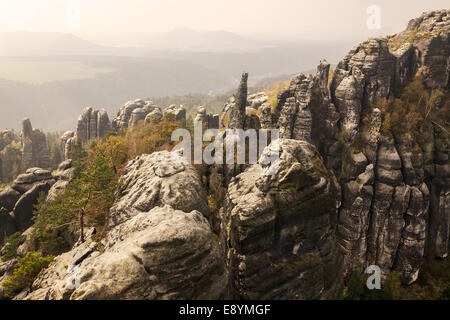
295	234
17	202
235	113
34	147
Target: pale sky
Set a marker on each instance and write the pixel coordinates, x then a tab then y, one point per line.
326	18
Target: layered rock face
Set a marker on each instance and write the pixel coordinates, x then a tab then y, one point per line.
34	147
63	177
144	110
17	202
279	230
156	248
347	193
158	179
67	141
92	124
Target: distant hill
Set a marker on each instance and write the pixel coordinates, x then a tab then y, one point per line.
64	73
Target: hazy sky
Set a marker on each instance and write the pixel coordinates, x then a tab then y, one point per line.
327	18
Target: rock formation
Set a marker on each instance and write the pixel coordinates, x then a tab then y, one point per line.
348	193
63	177
280	229
156	248
92	124
67	141
178	112
34	147
394	193
17	202
211	121
10	156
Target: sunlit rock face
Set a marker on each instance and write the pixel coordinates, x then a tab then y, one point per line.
157	247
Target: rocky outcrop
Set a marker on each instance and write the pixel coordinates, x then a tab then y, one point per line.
394	200
17	202
179	112
159	179
92	124
237	117
10	156
63	176
279	229
34	147
394	191
6	271
211	121
67	141
348	191
156	247
124	115
132	112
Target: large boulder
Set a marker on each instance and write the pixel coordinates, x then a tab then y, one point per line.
92	124
34	147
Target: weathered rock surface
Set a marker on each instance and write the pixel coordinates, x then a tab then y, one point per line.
92	124
394	201
162	178
279	229
394	192
63	176
153	250
10	156
67	141
6	271
17	202
178	112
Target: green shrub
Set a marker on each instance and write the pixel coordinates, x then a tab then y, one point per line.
12	243
26	273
